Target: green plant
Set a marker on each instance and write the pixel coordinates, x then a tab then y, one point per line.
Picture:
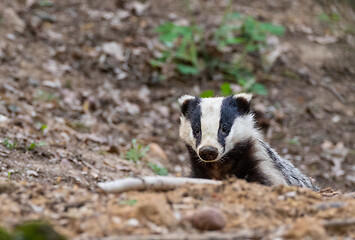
207	93
36	230
9	144
294	141
331	18
45	3
9	174
130	202
162	171
40	126
182	47
33	145
136	152
32	230
188	49
243	30
226	89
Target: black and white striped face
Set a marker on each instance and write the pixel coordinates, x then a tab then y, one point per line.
213	126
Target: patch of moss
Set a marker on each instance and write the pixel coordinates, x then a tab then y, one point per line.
32	230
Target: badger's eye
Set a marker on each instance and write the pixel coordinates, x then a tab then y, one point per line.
224	129
197	130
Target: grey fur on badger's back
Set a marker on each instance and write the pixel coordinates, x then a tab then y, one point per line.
222	141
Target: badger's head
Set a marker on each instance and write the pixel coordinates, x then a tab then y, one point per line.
213	126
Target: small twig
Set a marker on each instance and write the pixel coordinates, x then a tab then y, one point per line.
151	182
243	234
334	92
339	223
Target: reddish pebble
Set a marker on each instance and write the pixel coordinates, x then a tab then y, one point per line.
208	219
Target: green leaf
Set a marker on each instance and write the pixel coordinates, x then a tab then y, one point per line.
187	70
251	47
136	152
161	77
294	141
273	29
259	88
323	17
226	89
130	202
43	127
32	146
246	82
169	32
164	28
237	40
207	94
9	144
335	17
235	15
155	63
193	53
45	4
162	171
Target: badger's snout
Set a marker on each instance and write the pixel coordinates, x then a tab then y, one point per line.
208	153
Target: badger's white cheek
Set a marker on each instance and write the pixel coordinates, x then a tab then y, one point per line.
186	133
242	129
229	144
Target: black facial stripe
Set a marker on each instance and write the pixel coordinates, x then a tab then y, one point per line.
193	114
231	109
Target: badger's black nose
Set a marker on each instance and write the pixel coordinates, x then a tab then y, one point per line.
208	153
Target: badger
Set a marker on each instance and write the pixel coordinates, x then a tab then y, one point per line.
223	141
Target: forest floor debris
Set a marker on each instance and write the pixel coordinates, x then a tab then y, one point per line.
76	88
235	207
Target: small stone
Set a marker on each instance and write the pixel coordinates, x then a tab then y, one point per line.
10	36
291	194
158	151
114	49
132	222
4	119
32	173
208	219
336	119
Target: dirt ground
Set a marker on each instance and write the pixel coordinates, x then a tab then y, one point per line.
82	105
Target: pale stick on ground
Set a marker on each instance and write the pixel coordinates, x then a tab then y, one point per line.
151	182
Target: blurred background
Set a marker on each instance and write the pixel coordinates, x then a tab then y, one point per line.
89	89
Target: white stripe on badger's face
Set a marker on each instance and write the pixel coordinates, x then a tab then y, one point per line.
210	118
242	130
185	132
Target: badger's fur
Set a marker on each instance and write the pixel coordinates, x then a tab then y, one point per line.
222	141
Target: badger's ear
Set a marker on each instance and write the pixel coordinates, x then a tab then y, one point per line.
184	102
246	96
243	102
